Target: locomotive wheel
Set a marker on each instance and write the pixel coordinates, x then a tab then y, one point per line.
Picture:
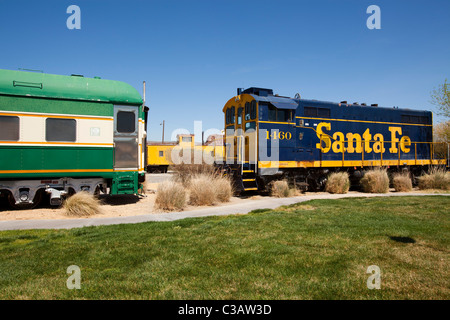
36	201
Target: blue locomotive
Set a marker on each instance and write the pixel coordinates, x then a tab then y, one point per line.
270	137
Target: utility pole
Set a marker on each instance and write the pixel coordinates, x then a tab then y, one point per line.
163	123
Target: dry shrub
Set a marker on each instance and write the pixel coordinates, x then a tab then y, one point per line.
170	196
280	189
82	204
183	172
375	181
201	190
437	178
338	182
402	182
222	188
208	188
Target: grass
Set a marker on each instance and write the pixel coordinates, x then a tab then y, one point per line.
319	249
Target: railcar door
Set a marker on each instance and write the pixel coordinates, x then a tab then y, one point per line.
126	145
250	134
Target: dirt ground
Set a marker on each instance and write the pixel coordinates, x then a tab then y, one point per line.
121	206
117	206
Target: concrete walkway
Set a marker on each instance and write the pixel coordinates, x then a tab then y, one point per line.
240	208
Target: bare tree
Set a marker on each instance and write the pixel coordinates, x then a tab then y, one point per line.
440	97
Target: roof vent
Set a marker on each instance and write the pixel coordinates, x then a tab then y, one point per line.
345	101
374	105
364	104
356	103
77	75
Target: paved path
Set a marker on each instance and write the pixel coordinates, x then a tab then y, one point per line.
239	208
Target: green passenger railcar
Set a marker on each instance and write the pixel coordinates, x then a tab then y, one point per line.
64	134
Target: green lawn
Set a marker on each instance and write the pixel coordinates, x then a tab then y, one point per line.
314	250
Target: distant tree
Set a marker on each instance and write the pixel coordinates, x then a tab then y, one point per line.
441	135
440	97
441	132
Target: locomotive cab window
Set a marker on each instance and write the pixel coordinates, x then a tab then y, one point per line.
9	128
239	116
247	111
60	129
253	110
233	115
250	125
279	115
272	113
126	122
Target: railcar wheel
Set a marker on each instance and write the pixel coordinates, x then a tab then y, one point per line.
26	206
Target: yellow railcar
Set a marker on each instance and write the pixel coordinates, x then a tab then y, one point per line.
159	155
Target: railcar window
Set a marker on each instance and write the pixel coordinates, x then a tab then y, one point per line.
161	153
247	111
9	128
253	110
126	122
186	139
272	113
233	115
60	129
239	116
250	125
281	115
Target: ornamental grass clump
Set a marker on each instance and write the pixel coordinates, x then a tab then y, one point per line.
437	178
170	196
280	189
81	204
338	182
201	190
375	181
402	182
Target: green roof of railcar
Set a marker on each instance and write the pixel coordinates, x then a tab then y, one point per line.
21	83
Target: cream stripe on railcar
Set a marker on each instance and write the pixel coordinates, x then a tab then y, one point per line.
90	132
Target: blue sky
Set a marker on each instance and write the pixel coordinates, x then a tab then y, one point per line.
194	54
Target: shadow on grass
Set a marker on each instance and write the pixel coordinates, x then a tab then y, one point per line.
402	239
